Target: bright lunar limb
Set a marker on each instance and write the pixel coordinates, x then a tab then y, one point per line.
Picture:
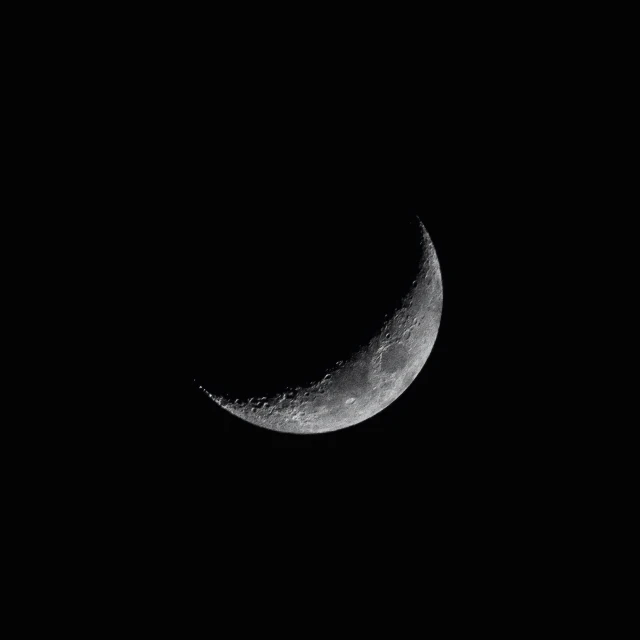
376	375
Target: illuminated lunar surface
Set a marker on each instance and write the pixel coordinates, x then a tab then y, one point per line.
377	374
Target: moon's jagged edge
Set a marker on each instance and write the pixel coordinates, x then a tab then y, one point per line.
376	375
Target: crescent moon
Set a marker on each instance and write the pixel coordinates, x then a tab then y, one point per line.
375	376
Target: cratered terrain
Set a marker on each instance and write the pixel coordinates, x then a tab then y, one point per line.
314	327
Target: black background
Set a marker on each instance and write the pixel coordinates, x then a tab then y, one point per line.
216	175
456	445
177	165
221	279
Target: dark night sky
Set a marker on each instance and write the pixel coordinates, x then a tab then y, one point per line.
452	426
241	193
227	189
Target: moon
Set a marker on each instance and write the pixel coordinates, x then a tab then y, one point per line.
373	377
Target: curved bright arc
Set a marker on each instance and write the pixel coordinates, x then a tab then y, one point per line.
377	375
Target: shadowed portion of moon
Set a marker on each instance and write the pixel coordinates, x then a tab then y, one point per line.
376	356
